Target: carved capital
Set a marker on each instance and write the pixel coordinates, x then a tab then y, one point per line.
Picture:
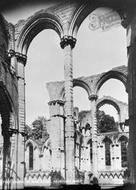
67	40
53	102
11	53
21	58
93	97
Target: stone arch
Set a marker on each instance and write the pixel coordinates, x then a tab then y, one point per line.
107	139
30	141
108	100
123	138
39	21
82	84
83	11
113	74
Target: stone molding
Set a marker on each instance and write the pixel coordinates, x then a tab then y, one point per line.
21	57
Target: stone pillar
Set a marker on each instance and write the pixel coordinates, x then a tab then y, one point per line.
67	44
6	149
131	47
21	61
93	99
57	135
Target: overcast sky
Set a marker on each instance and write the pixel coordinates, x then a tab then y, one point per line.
95	52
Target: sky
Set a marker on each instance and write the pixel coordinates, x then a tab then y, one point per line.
95	52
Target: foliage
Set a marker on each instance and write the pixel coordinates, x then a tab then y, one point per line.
56	178
82	114
38	130
105	123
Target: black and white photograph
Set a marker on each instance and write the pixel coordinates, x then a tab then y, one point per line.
68	94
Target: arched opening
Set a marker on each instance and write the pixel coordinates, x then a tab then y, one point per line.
31	156
124	144
107	119
107	143
115	89
91	152
39	70
101	51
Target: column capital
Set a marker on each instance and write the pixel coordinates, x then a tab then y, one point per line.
21	57
53	102
11	53
93	97
67	40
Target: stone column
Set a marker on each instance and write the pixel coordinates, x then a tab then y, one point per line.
131	47
57	135
6	149
67	44
21	61
93	99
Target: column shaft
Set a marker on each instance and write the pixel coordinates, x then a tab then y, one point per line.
69	125
94	135
21	119
68	43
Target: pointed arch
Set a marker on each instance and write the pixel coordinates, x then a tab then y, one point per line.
31	155
123	143
107	141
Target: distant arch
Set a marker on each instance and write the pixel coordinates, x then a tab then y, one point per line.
113	74
108	100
